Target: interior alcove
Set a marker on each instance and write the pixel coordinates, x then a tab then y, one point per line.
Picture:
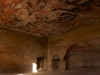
82	57
55	62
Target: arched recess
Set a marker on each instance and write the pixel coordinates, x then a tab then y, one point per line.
55	62
81	57
40	63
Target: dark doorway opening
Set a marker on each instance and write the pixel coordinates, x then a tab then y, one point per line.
67	63
55	62
40	63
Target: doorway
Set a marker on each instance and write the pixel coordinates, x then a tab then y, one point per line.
40	63
55	62
66	63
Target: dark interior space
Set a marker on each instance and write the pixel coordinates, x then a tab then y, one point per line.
50	37
40	63
55	62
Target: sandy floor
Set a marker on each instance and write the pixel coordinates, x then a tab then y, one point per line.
60	73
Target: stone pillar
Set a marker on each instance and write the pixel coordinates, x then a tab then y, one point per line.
49	58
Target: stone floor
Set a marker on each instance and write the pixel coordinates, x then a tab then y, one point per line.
60	73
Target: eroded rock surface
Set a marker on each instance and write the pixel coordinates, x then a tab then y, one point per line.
48	17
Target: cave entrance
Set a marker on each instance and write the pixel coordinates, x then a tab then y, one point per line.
40	63
55	62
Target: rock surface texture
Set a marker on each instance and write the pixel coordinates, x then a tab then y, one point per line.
78	50
18	51
48	17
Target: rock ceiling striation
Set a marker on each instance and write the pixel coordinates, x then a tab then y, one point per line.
48	17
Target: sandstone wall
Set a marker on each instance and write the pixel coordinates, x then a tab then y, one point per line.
85	57
18	51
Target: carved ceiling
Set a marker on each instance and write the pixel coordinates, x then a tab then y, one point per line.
48	17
